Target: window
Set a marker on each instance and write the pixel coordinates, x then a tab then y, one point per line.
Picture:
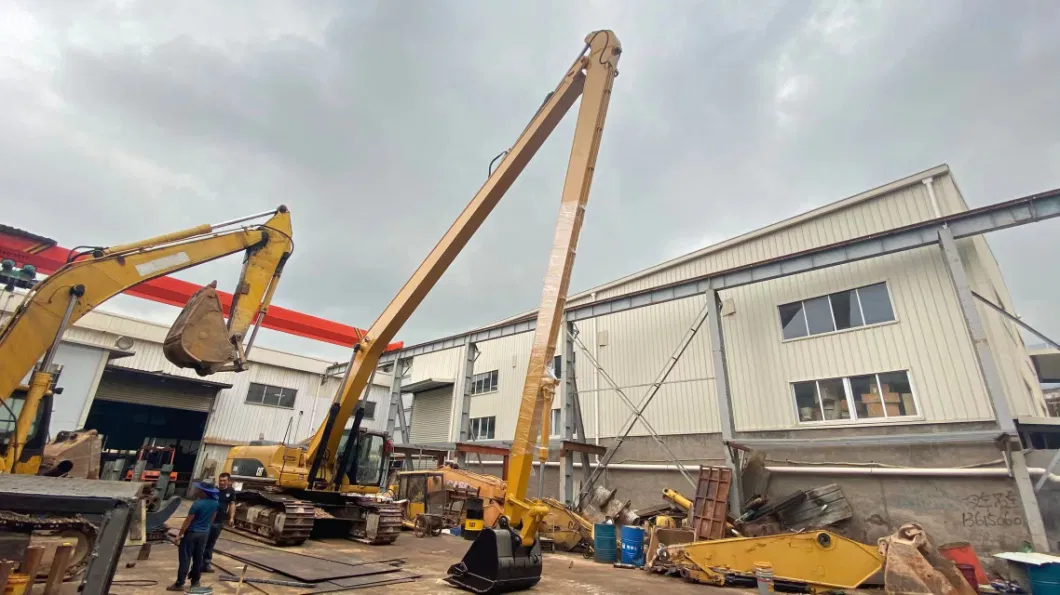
482	427
871	396
273	396
369	410
554	423
839	311
485	382
557	366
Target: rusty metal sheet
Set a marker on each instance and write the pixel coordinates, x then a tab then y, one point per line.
302	567
711	505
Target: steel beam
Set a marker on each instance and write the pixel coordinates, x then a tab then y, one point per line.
1021	211
995	389
470	355
1030	329
723	397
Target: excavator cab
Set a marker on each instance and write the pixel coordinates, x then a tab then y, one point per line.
497	562
199	336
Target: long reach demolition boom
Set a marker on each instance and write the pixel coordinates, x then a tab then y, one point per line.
508	556
592	75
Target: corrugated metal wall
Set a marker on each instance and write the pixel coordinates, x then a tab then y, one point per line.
929	338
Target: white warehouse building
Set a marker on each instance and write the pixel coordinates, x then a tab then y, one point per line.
115	379
844	340
873	342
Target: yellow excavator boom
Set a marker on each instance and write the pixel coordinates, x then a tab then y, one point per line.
200	339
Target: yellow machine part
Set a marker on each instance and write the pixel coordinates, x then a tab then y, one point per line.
566	528
820	559
199	336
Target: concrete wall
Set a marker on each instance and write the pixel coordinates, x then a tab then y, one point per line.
983	511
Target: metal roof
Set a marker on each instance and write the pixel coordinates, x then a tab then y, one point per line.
21	233
426	385
169	377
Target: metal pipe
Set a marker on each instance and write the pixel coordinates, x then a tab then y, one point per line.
75	293
930	183
216	226
849	471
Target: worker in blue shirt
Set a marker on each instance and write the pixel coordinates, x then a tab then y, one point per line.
193	535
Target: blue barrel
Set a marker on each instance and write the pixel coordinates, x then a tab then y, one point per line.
1044	578
633	545
604	543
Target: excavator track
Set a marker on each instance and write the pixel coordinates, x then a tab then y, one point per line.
380	522
273	518
59	528
284	520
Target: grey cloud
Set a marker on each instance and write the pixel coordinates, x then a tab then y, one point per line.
375	122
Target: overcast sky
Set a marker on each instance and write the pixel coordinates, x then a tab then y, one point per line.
376	122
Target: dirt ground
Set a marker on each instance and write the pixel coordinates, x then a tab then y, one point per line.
428	556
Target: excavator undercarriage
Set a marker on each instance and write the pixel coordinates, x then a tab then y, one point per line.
291	517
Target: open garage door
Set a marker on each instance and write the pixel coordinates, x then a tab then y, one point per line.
152	417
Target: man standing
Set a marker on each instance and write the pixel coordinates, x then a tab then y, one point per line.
193	535
226	514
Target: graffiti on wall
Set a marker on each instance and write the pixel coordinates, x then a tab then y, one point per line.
991	509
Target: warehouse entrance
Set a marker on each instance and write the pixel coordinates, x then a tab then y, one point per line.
166	414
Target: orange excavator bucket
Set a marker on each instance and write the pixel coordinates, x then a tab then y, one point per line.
199	337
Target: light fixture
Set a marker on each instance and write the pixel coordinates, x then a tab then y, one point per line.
124	342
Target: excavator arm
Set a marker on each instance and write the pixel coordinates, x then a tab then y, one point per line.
199	339
591	75
508	557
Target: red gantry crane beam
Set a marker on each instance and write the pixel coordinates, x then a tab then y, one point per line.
27	248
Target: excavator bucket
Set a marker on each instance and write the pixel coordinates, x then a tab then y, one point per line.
497	562
199	337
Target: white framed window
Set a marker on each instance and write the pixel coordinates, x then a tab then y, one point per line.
485	382
554	422
866	397
271	396
861	306
482	428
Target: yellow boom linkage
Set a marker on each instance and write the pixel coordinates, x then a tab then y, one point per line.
508	557
199	339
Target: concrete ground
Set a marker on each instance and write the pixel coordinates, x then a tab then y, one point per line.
429	556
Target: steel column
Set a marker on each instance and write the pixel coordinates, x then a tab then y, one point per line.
566	481
396	414
723	397
470	355
995	389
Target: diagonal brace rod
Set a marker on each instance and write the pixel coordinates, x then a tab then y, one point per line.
638	410
1030	329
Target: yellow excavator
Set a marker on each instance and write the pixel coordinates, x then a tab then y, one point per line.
286	492
507	557
199	339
